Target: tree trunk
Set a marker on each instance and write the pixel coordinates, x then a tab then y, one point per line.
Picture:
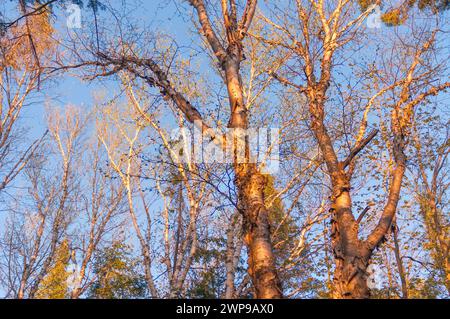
21	292
261	260
399	261
350	254
230	261
251	185
351	257
350	278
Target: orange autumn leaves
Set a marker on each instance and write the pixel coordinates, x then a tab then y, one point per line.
27	43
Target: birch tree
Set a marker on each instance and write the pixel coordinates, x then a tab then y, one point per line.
317	35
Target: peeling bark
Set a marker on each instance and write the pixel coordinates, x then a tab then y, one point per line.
261	259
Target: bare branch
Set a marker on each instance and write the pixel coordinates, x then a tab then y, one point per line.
363	213
358	148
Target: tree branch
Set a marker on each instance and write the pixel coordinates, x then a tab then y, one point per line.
363	213
33	12
247	18
358	148
208	31
286	82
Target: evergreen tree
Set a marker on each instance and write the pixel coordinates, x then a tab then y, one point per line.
55	283
117	276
